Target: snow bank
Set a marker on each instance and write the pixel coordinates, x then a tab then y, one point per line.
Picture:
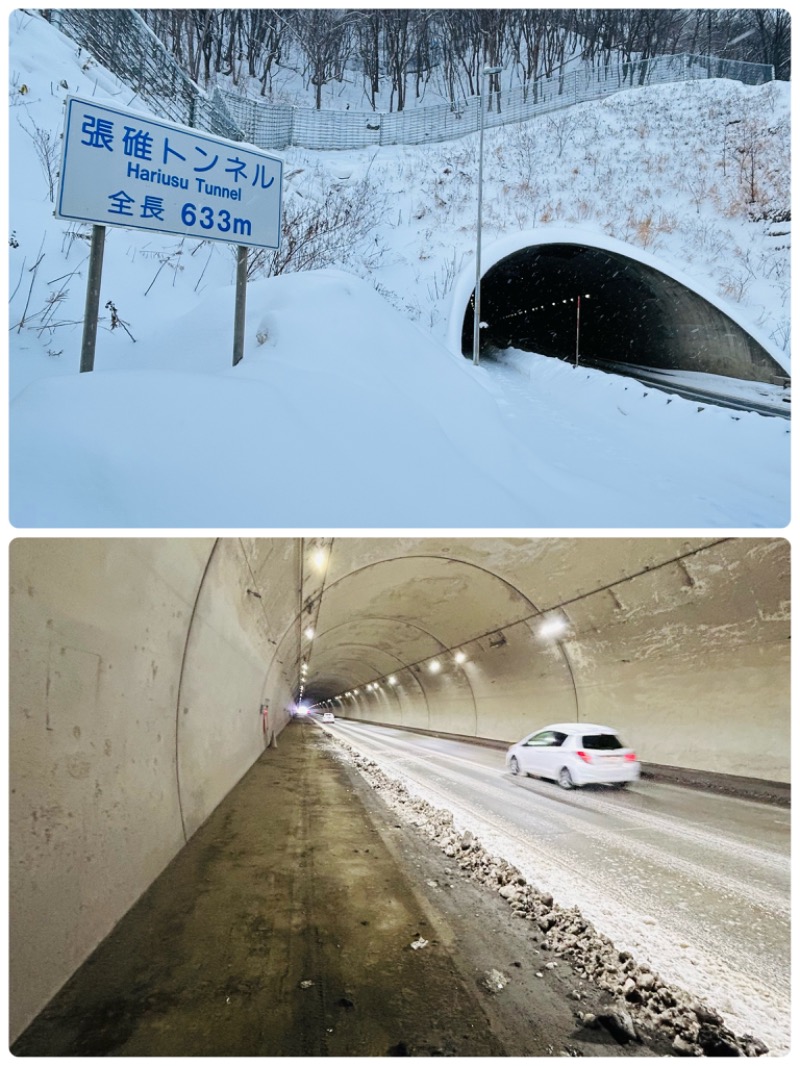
349	411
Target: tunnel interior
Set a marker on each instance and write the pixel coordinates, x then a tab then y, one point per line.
575	302
417	634
148	675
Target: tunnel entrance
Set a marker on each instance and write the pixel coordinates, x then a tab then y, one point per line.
565	298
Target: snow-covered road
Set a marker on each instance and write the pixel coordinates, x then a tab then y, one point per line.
693	883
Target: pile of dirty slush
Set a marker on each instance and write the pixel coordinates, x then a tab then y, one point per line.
641	1001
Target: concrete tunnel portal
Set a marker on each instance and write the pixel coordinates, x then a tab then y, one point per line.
630	312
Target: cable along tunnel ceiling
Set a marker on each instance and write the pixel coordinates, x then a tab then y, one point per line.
386	608
630	312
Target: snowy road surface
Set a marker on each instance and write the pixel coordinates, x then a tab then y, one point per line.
693	883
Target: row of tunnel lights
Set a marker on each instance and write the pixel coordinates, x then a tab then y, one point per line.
544	307
550	629
434	667
319	562
308	633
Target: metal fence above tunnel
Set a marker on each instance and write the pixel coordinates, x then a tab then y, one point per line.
279	126
125	44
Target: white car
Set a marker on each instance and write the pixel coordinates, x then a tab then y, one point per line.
328	716
575	754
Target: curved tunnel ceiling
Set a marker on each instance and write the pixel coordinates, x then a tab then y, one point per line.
388	607
395	613
630	312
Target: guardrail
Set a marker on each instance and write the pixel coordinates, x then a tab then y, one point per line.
126	45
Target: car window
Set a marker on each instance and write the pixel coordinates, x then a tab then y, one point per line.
548	738
602	742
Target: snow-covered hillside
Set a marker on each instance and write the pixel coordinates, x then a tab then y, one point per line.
351	409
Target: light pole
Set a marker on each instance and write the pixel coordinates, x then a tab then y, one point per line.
578	329
476	329
578	332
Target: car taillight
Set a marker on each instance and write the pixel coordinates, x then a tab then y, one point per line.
584	756
630	756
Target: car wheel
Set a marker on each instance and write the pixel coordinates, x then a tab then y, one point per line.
565	778
621	784
513	765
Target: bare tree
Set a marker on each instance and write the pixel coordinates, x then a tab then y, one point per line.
773	39
367	29
263	33
400	46
525	32
325	38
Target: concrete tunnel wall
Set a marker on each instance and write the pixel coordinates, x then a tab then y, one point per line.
138	668
640	309
689	660
137	672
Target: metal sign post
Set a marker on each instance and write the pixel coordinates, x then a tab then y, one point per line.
92	298
122	168
241	299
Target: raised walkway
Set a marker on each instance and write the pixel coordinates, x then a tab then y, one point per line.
285	927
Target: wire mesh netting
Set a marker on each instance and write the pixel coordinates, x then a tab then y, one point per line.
276	126
121	40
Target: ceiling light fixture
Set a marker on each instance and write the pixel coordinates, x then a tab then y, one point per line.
553	627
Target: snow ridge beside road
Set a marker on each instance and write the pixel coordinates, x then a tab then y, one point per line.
643	1000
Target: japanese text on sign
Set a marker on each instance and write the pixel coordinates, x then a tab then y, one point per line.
120	168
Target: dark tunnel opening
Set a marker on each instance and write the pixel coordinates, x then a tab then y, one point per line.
568	300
